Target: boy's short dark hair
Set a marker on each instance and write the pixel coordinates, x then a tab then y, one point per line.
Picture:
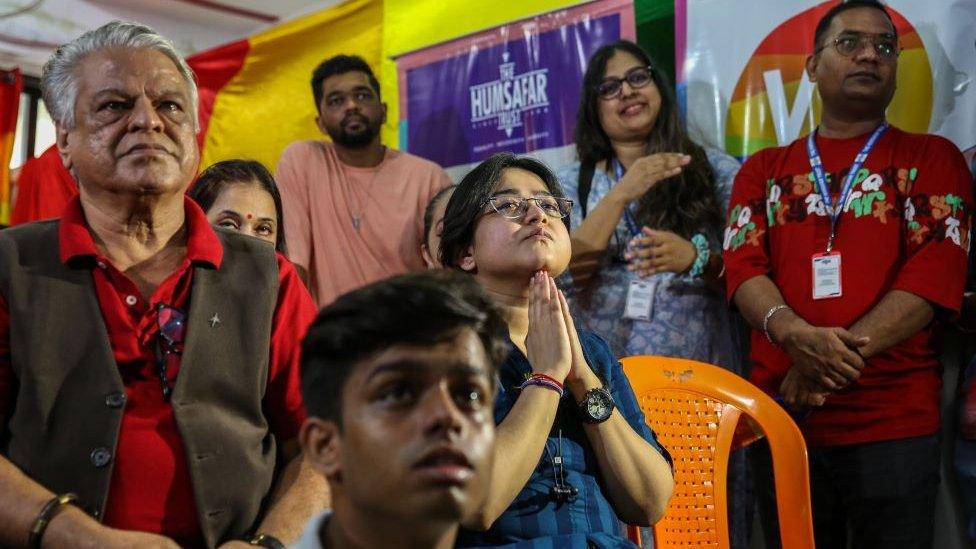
414	309
828	18
341	64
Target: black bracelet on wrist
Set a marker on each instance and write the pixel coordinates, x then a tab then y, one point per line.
48	512
266	540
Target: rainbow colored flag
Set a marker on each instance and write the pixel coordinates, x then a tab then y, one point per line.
255	94
11	84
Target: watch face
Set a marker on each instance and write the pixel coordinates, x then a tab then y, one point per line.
598	405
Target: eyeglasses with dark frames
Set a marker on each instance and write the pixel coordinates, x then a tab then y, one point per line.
636	78
171	324
849	43
514	207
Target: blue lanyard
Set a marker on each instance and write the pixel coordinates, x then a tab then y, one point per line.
632	226
834	211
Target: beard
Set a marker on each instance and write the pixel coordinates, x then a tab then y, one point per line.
359	138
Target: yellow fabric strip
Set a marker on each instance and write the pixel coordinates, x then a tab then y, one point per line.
269	103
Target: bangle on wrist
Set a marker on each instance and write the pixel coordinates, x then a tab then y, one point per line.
266	540
701	259
47	514
769	314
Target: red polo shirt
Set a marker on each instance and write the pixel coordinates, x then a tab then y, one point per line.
905	227
150	488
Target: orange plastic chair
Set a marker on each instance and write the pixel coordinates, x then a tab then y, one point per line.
695	408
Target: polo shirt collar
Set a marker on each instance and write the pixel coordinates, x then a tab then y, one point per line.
76	241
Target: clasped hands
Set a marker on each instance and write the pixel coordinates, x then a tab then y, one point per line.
825	360
654	251
552	344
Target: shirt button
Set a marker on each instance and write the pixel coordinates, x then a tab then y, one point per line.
100	457
102	265
131	300
115	400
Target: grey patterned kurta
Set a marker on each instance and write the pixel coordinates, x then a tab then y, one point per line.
688	320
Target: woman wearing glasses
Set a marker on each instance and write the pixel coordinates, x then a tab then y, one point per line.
648	214
646	271
573	452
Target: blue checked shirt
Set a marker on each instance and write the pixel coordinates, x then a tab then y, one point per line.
534	520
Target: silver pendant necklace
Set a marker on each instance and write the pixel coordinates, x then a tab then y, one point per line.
357	213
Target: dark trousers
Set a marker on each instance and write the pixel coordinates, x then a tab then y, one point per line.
872	495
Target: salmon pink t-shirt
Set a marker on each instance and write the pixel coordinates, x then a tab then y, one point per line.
322	196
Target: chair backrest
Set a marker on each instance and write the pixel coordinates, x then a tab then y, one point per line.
695	408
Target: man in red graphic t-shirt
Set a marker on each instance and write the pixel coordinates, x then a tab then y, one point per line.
843	250
149	384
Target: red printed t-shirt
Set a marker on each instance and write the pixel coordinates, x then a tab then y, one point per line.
905	227
150	488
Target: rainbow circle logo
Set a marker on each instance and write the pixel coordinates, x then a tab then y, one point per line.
772	103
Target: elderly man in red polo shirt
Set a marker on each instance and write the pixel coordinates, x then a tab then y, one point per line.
149	387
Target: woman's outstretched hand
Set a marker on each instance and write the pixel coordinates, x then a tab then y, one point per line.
648	170
547	344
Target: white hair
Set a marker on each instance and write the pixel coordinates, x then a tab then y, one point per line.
59	77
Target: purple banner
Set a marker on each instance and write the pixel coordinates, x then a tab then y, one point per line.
515	88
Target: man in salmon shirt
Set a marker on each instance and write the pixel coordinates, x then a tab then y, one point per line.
149	384
353	207
844	308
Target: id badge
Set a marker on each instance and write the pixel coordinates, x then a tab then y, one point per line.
826	275
640	299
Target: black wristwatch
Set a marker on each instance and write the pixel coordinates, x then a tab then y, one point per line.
266	540
596	406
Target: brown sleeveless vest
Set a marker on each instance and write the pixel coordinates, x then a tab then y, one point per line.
69	398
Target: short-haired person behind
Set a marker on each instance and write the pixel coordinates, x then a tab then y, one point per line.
844	309
149	376
434	226
241	195
398	379
353	207
573	454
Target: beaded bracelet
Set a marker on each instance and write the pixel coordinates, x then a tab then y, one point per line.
542	380
701	247
548	377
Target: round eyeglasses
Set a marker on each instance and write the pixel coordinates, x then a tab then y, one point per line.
514	207
849	43
636	78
